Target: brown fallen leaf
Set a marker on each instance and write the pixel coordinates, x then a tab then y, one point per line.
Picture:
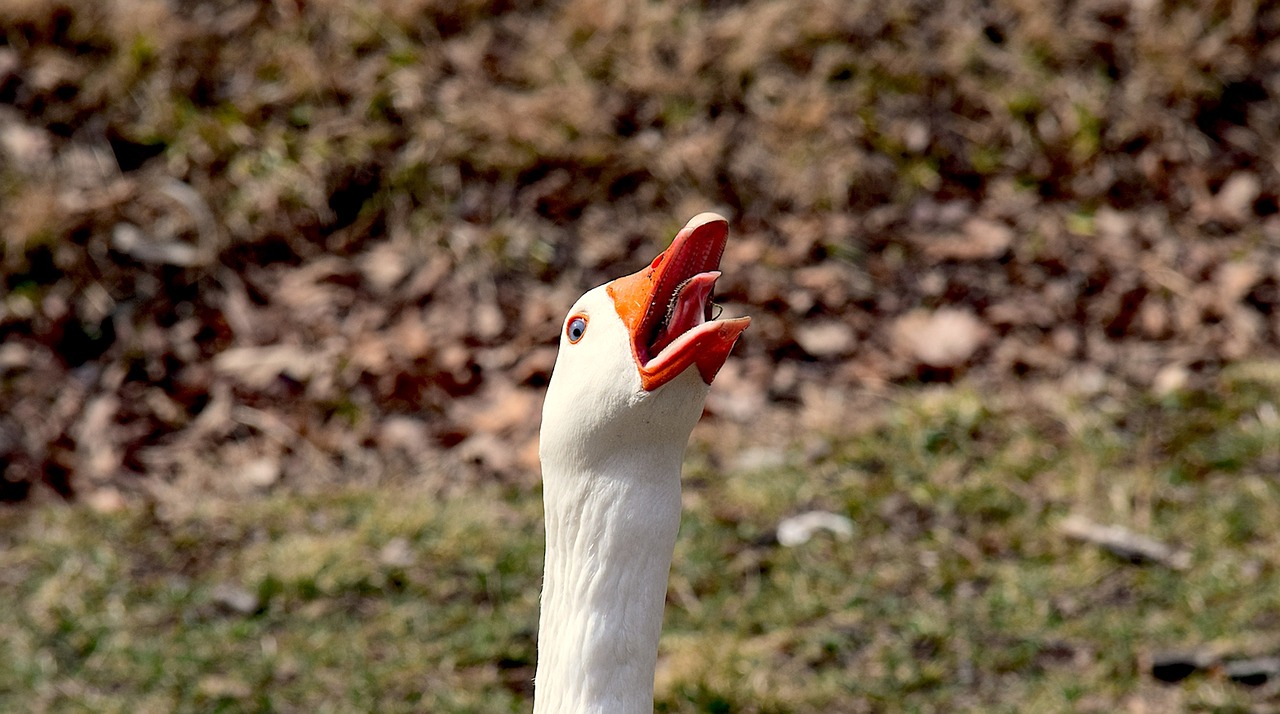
945	338
260	473
26	146
257	367
500	406
1234	280
1234	200
978	239
383	266
826	338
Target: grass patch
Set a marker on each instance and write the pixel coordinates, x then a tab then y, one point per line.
355	601
957	591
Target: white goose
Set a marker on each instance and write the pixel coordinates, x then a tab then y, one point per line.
619	409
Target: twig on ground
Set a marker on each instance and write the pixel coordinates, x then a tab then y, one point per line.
1124	543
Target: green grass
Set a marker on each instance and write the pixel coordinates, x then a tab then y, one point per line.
957	592
119	613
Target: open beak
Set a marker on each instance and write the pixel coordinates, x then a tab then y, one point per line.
667	306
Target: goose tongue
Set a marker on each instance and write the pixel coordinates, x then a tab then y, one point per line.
690	307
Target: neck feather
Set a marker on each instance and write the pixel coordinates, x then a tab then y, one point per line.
611	530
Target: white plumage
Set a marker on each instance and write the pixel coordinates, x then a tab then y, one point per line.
636	359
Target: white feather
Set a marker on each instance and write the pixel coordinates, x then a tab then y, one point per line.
611	455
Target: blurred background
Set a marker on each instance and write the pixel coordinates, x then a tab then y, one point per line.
280	286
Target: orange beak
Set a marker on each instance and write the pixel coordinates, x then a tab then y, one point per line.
667	306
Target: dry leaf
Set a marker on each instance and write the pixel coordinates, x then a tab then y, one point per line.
980	238
946	338
261	472
384	266
826	339
1234	280
1234	200
257	367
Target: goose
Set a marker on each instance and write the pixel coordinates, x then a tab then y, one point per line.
636	359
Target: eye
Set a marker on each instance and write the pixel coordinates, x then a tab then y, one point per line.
576	328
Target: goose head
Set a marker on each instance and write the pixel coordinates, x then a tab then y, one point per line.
638	354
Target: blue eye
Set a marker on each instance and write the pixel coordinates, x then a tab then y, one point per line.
576	328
